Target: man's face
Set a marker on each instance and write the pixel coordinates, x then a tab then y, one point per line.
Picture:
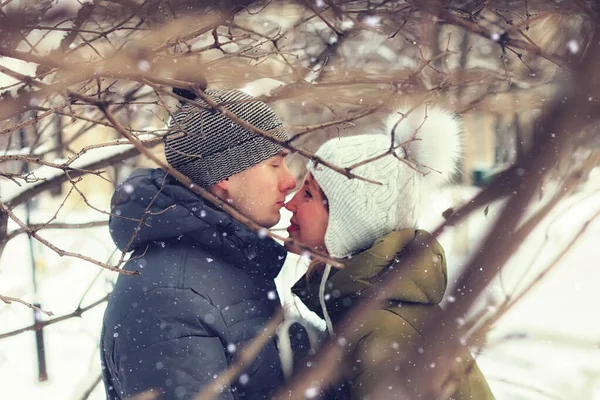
259	192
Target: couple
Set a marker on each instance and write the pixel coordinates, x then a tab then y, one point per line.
207	282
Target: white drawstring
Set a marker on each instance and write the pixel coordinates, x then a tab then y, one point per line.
322	299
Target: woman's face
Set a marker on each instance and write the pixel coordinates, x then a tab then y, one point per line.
310	215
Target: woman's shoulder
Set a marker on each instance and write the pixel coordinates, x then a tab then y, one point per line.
382	326
397	323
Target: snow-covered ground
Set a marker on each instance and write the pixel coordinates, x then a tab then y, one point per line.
546	347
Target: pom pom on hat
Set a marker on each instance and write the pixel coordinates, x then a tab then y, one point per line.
427	147
431	138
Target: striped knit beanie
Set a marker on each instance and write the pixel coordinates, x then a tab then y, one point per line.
427	147
208	147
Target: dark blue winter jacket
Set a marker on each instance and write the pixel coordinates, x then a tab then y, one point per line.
206	287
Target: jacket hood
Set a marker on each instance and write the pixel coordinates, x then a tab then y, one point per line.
153	207
423	282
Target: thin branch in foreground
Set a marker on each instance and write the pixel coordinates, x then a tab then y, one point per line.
505	307
55	225
245	357
529	388
77	313
10	300
61	252
38	160
88	391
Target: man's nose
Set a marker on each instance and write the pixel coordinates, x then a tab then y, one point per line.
287	181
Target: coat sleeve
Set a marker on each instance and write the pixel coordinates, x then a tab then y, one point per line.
176	350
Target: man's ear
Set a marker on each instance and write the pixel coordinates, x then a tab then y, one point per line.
220	189
223	185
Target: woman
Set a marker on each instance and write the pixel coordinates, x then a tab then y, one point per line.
369	223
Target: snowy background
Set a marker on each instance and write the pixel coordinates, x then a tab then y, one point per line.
544	348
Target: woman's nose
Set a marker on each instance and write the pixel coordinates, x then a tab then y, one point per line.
288	206
291	205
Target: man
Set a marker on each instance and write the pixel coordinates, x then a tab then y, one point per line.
206	284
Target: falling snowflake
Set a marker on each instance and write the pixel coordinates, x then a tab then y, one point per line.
372	20
144	65
573	46
311	392
209	318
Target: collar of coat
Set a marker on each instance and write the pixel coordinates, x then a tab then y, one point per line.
170	212
423	281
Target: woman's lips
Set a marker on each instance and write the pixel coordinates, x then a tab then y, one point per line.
292	228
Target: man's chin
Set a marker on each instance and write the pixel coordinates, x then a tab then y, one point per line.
272	222
269	222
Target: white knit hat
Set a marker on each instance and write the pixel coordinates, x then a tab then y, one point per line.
427	140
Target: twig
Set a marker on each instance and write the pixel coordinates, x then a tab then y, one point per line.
34	120
39	161
60	252
111	160
90	389
542	392
245	357
310	6
9	300
55	225
77	313
309	129
509	304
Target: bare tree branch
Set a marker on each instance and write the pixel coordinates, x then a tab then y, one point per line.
9	300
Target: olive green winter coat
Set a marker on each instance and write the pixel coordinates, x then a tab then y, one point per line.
398	325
